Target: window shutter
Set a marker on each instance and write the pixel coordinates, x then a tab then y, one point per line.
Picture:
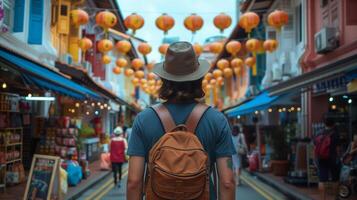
36	22
19	11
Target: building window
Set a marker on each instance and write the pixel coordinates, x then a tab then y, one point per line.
323	3
19	15
298	31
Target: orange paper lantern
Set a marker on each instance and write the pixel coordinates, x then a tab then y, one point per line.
165	22
222	21
85	44
139	74
123	46
208	76
216	47
105	45
213	81
79	17
204	82
237	63
252	45
151	82
278	19
137	63
233	47
106	19
135	82
144	48
237	71
198	49
222	64
193	22
116	70
150	66
151	76
250	61
106	59
134	22
248	21
228	72
220	81
163	48
143	82
270	45
217	73
121	62
128	72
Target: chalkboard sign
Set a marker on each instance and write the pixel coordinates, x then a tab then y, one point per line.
44	171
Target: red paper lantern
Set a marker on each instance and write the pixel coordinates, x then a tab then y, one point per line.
134	22
249	21
165	22
233	47
105	45
123	46
116	70
270	45
144	48
151	76
79	17
193	22
85	44
208	76
278	19
222	21
137	63
121	62
106	19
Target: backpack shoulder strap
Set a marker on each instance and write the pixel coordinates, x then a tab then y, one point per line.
165	117
195	116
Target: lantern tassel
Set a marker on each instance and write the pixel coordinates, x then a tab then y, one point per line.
255	64
229	87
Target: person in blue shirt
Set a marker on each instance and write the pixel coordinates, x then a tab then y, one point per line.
182	75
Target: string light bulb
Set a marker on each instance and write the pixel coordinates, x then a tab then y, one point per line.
4	85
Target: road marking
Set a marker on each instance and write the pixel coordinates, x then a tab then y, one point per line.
109	188
260	191
106	184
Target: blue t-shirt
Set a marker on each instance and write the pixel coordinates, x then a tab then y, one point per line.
213	131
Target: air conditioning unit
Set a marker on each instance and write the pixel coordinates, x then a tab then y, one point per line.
88	66
67	58
326	40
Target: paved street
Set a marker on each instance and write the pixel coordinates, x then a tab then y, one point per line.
250	189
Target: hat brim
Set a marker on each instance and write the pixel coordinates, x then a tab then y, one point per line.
202	70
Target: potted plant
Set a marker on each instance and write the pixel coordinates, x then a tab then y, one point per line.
279	157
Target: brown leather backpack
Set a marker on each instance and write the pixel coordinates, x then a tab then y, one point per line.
178	166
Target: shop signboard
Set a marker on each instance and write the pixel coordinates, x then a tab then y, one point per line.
43	181
330	84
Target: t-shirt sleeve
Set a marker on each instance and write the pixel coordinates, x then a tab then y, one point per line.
224	144
136	145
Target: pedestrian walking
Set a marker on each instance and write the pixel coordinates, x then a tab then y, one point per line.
118	147
180	140
241	149
326	153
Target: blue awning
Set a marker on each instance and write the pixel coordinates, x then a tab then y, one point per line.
46	78
261	102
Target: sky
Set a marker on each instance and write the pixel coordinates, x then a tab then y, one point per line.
178	9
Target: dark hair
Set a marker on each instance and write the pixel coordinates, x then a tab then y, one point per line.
181	91
235	130
329	122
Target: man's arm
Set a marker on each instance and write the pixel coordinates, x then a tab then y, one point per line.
135	178
226	178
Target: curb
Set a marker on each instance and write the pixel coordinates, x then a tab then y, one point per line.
91	184
290	193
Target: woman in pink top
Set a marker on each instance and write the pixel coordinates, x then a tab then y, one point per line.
118	146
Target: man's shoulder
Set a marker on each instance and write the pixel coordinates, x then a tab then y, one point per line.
215	114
